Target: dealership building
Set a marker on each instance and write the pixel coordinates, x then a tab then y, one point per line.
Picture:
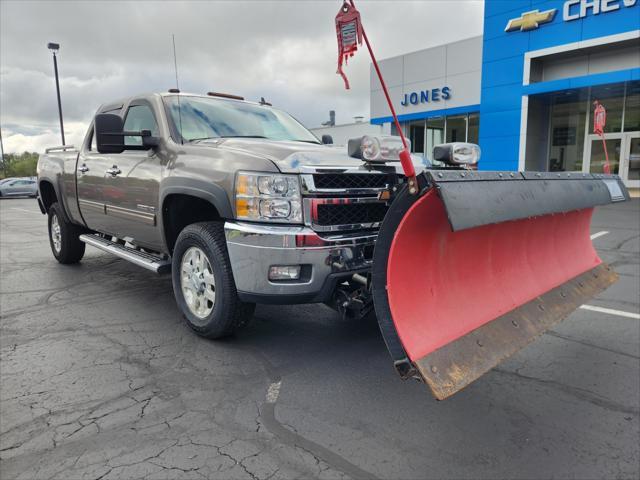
525	90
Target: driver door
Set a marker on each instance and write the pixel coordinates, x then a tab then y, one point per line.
132	180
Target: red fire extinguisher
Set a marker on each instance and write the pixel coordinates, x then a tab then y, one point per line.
350	34
599	122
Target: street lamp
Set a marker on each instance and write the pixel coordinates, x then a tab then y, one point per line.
54	47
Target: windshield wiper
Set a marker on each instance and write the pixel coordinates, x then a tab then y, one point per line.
308	141
202	138
242	136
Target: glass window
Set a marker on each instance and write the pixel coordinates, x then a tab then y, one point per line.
93	147
139	117
457	128
632	108
473	134
435	134
612	98
202	118
598	157
568	117
416	135
634	159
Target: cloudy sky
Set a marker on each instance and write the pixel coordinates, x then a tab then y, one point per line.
283	50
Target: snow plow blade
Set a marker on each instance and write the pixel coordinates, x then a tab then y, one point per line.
478	264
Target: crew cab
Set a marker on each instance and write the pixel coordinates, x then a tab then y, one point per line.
236	199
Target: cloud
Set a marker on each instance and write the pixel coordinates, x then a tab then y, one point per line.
282	50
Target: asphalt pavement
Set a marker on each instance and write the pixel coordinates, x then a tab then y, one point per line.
101	379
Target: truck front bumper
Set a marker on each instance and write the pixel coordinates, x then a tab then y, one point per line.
324	261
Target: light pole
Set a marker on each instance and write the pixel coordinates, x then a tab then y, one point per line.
54	47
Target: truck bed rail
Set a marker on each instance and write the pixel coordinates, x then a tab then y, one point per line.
61	148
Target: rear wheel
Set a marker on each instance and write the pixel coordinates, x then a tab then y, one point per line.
64	237
203	282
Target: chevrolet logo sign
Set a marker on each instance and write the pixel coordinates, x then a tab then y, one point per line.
530	20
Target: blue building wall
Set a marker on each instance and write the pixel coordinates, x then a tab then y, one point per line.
503	67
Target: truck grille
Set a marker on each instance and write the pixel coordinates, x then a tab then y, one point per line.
345	181
330	214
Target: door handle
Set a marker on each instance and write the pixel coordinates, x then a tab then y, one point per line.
113	171
83	168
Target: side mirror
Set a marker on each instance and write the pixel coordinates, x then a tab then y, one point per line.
149	141
108	129
327	139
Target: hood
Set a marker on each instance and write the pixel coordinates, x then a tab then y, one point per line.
289	157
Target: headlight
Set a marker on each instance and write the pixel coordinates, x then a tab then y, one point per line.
266	197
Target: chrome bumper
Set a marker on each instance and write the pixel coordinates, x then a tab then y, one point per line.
325	261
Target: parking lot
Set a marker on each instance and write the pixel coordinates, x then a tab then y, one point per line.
100	378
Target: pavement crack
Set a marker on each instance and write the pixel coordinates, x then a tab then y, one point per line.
576	392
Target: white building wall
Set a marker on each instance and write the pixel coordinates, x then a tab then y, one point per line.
456	65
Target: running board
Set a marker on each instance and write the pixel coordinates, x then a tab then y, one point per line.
142	259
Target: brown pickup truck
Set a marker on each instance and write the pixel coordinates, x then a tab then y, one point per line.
237	199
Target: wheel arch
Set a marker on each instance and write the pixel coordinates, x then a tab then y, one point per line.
183	206
48	194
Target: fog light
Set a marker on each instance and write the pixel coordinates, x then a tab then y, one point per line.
284	272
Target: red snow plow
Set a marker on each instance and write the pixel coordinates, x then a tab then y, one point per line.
471	266
477	264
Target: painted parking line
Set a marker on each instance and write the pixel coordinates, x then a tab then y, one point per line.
611	311
273	392
599	234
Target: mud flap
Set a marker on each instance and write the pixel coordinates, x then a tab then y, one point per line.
480	263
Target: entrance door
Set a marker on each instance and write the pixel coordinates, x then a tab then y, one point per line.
624	156
631	165
595	155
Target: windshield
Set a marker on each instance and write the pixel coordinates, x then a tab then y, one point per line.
202	118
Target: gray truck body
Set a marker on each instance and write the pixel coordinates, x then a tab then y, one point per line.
145	197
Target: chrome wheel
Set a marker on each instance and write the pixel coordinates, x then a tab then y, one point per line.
56	236
197	283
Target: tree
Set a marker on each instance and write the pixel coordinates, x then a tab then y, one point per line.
23	165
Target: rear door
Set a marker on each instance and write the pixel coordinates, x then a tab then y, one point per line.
131	192
90	178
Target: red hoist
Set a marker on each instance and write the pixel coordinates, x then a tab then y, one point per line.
599	122
350	33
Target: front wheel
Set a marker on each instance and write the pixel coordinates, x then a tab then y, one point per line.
203	282
64	237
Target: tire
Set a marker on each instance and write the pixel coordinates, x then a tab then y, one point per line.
64	239
201	251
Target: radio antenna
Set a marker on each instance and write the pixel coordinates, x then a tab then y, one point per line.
175	66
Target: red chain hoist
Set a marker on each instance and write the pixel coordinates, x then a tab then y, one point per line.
350	34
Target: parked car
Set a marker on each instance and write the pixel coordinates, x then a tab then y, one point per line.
18	187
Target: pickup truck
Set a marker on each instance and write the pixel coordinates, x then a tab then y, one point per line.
236	199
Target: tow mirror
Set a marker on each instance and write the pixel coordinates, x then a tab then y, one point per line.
110	133
327	139
108	129
149	141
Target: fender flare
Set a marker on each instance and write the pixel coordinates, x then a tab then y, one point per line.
59	196
206	190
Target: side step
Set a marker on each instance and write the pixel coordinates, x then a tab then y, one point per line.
142	259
